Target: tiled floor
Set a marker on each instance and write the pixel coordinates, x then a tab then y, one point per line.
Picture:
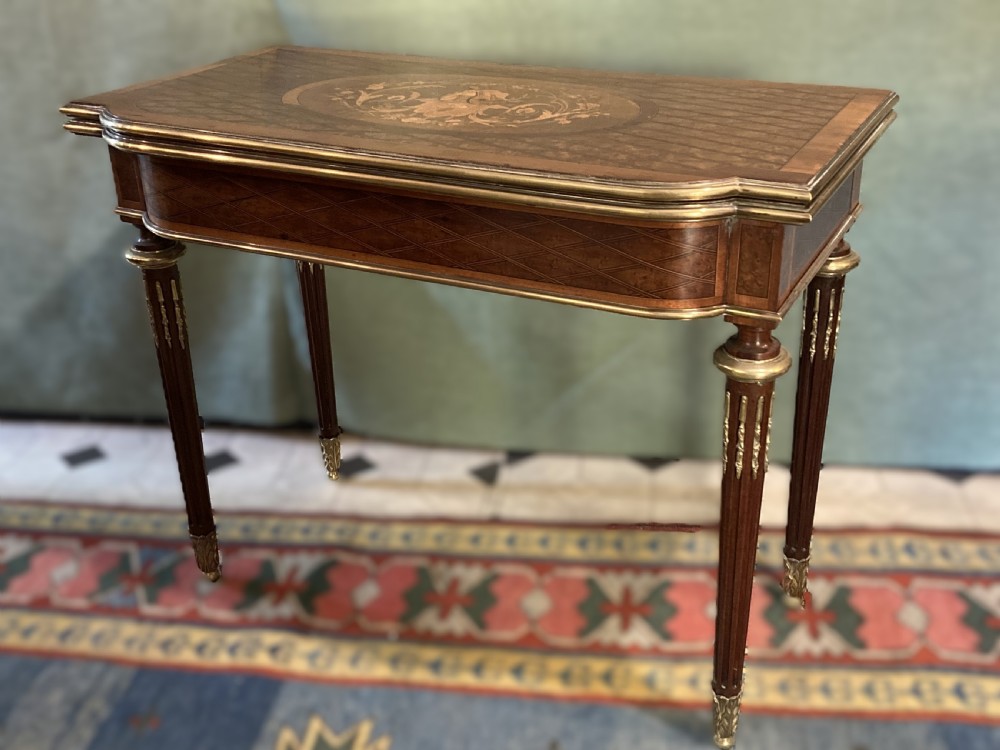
282	471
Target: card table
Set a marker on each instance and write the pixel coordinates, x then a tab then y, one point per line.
660	196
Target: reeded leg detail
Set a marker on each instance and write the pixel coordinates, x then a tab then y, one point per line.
751	360
157	258
312	283
820	330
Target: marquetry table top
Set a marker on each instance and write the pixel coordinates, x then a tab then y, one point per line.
615	139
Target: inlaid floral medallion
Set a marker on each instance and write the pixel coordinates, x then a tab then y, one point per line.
458	103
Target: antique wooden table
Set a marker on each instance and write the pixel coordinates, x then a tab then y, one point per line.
648	195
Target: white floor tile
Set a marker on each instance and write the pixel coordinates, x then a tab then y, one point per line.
573	504
386	499
283	472
982	497
544	470
619	472
456	466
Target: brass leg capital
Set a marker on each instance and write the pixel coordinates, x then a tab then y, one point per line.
206	555
725	718
150	252
752	370
840	263
796	581
331	455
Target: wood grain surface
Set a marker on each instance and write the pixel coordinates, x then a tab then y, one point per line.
580	125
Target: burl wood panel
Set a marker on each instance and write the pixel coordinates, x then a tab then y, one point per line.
757	244
579	123
676	265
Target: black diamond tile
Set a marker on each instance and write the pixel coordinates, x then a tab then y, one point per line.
653	462
487	473
354	466
516	457
956	475
83	456
218	460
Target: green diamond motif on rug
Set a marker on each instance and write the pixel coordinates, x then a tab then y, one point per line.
654	608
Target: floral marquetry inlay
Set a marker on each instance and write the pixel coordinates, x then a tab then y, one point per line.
458	103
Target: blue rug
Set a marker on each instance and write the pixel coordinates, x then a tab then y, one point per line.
345	634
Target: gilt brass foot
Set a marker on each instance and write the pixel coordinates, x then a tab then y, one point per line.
725	718
796	582
206	555
331	456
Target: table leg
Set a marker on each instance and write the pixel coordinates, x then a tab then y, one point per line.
312	282
820	329
751	360
157	258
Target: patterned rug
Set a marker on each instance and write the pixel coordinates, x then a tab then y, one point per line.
330	633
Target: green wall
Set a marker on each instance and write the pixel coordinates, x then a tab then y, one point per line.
917	366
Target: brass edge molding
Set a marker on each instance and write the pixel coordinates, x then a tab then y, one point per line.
831	183
839	265
124	130
748	197
752	370
491	193
82	111
83	127
761	199
863	140
357	265
846	169
645	191
153	259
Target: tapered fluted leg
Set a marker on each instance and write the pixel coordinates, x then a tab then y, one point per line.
157	257
821	327
751	360
312	282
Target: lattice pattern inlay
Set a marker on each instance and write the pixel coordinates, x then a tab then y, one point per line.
677	263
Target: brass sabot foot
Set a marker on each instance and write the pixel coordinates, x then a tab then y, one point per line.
725	718
796	582
206	555
331	455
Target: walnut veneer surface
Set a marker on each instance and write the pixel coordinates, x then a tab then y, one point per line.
646	194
